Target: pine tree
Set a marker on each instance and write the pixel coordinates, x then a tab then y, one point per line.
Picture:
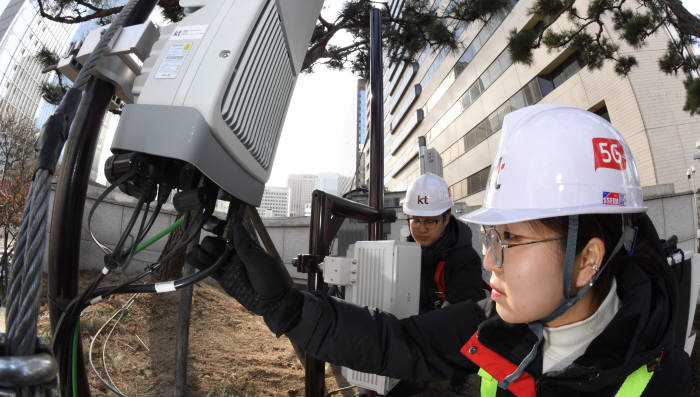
427	23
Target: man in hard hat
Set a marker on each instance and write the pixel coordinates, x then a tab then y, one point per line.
450	268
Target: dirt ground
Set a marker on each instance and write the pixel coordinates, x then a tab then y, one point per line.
231	351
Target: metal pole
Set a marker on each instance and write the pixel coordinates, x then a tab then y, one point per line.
314	379
696	248
69	201
376	170
182	331
66	222
182	337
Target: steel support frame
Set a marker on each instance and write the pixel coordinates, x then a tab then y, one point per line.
328	212
327	215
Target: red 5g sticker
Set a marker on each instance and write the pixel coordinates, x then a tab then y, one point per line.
609	153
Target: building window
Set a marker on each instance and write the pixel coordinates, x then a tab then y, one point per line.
477	181
560	74
602	111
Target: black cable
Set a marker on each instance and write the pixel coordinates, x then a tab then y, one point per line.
101	197
113	260
156	211
123	288
66	325
63	335
143	229
169	286
142	226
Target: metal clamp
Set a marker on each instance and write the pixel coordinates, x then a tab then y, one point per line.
123	59
307	263
38	371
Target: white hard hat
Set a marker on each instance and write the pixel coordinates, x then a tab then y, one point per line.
555	160
428	195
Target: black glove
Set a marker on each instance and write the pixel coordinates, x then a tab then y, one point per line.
253	278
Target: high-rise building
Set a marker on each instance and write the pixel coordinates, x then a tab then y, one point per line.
300	188
333	183
457	100
22	34
275	202
361	131
344	184
328	182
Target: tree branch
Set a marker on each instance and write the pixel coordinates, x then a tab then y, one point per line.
102	13
686	21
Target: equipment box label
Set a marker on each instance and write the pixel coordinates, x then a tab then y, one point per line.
173	60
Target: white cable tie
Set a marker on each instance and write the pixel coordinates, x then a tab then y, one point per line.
168	286
105	271
96	299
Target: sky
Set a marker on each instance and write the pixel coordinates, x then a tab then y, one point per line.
319	131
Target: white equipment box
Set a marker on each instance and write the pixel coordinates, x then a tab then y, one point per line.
378	274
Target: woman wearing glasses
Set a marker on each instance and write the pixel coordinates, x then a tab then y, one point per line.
582	300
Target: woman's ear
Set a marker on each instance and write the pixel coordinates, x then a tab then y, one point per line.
588	261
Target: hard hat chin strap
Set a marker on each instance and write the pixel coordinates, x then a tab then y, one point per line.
627	239
537	329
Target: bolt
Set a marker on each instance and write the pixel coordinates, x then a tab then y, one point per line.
224	54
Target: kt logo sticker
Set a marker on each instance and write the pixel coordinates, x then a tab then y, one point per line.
423	200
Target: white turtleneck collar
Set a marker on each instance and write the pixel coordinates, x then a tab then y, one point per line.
562	345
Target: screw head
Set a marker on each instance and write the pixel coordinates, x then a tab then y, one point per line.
472	350
224	54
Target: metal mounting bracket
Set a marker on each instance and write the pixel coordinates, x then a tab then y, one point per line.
122	61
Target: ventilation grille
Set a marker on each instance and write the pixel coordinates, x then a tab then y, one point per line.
373	289
257	95
374	285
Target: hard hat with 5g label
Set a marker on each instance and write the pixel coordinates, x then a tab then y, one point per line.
556	160
428	195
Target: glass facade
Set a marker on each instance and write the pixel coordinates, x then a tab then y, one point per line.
530	94
23	34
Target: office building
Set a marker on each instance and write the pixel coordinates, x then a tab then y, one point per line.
275	202
361	132
300	188
457	100
22	34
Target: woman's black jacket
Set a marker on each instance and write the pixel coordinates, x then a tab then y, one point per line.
427	346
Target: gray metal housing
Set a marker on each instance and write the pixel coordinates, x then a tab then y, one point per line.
182	133
215	90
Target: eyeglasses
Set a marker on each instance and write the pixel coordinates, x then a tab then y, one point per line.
491	242
428	223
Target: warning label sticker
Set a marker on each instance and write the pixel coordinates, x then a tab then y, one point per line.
192	32
173	60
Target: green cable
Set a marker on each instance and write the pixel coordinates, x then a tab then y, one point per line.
77	324
75	359
159	235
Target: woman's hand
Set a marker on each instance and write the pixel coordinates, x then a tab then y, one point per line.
252	277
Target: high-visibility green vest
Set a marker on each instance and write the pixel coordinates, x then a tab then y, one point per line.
633	386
